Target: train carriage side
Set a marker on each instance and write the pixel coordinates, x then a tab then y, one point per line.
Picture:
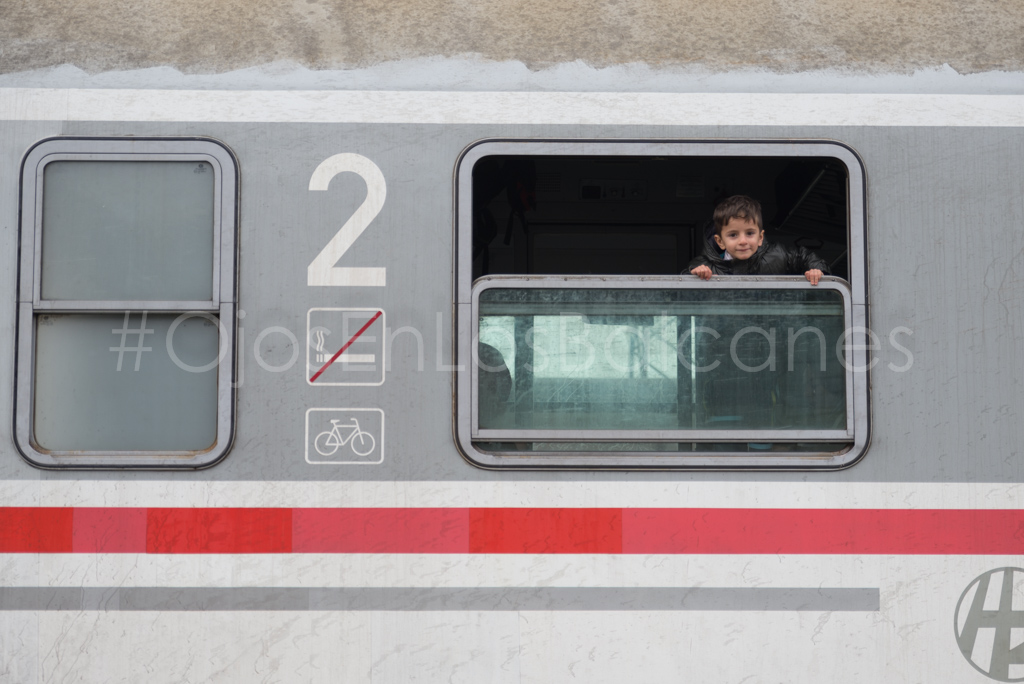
421	395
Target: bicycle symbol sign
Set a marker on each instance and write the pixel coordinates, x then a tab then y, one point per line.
989	624
344	435
328	441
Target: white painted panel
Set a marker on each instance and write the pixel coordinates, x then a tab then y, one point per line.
708	647
897	576
909	639
461	648
532	648
411	107
19	647
510	493
208	647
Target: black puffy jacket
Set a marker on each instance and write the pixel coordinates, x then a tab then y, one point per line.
770	258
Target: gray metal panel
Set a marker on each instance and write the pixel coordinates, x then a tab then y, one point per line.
945	213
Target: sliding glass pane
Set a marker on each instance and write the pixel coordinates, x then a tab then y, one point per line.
666	359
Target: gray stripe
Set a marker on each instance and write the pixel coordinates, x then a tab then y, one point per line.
439	599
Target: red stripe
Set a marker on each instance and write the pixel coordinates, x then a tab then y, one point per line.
219	530
109	530
380	530
545	530
511	530
35	530
840	531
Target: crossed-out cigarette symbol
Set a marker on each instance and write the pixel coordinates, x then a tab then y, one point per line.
354	358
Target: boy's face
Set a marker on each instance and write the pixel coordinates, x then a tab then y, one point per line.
740	238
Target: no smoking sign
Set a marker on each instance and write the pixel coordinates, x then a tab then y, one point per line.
345	347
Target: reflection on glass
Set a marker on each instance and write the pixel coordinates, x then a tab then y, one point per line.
683	359
128	230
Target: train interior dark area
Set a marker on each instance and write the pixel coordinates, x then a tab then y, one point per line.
645	215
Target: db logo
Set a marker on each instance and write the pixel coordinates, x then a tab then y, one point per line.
990	624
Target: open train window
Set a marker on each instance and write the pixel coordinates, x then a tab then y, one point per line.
581	345
126	303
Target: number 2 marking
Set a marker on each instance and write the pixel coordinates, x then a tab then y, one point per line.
322	270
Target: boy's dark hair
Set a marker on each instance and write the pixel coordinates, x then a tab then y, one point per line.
737	206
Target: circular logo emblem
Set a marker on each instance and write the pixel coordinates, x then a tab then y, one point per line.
989	624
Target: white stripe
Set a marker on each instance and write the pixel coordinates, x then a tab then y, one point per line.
895	575
511	493
423	107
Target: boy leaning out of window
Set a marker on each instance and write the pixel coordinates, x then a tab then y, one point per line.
740	233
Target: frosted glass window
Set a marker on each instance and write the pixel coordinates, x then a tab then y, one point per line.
128	230
107	382
126	303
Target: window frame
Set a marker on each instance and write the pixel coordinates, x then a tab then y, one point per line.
222	304
465	292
